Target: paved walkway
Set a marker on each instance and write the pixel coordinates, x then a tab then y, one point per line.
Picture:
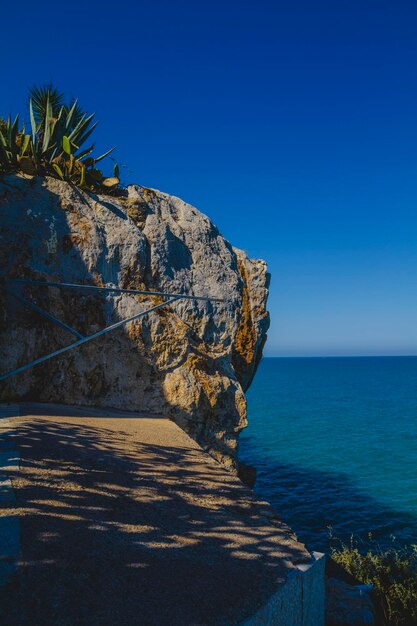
9	520
124	520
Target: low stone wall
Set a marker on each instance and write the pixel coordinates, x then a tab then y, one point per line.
299	602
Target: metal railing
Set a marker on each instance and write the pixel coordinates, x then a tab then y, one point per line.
171	297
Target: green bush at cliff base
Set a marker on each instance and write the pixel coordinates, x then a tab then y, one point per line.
55	144
393	573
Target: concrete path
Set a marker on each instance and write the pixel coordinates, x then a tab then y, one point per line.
124	520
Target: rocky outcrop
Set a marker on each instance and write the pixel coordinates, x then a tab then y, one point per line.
192	360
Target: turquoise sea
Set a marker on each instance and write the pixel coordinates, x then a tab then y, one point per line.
334	441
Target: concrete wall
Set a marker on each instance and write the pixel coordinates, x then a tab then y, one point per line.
299	601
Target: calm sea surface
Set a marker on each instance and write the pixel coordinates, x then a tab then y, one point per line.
334	441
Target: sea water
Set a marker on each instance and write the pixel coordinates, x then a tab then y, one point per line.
334	441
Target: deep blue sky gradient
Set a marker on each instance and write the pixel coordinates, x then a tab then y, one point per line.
293	125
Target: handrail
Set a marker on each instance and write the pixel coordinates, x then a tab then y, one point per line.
114	289
81	339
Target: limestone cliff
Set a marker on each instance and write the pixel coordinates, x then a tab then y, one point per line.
191	360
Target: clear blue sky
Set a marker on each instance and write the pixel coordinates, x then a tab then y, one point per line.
293	125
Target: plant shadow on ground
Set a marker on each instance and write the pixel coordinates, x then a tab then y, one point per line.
118	531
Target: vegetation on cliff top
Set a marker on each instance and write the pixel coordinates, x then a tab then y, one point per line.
55	144
393	574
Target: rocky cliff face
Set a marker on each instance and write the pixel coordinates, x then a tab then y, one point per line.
191	360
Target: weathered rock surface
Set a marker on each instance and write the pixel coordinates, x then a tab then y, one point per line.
348	605
192	360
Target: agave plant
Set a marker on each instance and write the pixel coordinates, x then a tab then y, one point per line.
13	144
55	145
40	97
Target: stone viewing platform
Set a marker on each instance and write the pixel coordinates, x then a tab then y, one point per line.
121	518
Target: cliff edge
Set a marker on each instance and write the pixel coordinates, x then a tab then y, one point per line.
192	360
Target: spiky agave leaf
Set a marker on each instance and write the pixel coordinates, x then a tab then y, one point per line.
103	156
12	130
74	113
81	129
24	144
71	120
3	134
12	142
80	139
47	126
43	95
32	121
5	162
85	153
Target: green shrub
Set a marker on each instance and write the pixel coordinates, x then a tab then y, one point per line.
55	145
393	573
